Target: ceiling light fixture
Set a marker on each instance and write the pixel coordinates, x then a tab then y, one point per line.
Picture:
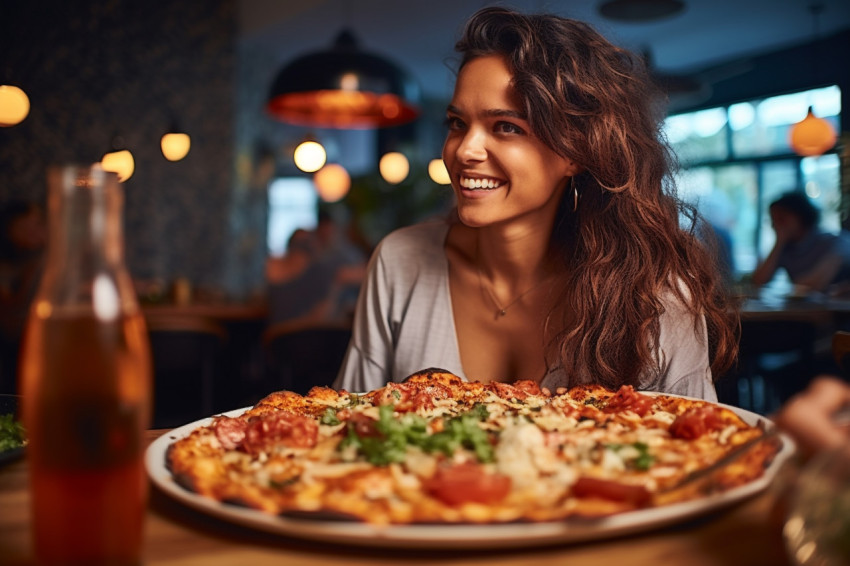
394	167
438	172
310	156
344	88
332	182
175	144
812	135
14	105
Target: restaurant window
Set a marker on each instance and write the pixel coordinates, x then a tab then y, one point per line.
735	160
292	204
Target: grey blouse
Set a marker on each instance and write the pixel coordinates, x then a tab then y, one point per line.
404	323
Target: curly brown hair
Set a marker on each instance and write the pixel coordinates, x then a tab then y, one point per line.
625	246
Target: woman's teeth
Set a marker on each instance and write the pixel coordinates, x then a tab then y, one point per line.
468	183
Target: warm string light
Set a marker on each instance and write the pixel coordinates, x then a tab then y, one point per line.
332	182
14	105
438	172
394	167
175	145
120	162
310	156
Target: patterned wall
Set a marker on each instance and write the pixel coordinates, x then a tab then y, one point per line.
99	69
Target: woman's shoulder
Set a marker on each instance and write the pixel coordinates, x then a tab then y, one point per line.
425	237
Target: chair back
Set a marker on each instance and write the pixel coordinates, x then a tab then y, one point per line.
186	352
301	356
841	349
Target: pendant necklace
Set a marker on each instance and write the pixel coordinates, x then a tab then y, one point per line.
501	310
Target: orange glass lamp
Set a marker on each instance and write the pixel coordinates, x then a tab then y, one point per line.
14	105
812	135
175	144
343	88
332	182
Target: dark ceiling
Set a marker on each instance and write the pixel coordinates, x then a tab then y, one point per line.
419	34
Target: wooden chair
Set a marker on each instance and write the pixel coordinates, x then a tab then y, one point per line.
774	361
301	355
186	352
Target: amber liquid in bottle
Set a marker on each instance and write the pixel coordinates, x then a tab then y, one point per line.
85	383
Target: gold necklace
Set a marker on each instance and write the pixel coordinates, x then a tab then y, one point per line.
501	310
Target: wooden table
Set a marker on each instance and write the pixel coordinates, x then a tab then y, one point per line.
745	534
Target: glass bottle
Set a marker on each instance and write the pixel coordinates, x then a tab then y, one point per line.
85	378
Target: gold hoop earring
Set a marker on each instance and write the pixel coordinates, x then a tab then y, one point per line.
575	193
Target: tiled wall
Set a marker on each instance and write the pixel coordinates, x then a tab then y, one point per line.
94	70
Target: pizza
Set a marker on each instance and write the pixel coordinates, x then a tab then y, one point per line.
438	449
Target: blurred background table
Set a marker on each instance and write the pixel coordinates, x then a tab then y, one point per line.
745	534
207	357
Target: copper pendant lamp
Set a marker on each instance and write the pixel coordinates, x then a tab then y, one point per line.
344	88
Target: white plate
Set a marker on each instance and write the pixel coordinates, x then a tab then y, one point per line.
455	536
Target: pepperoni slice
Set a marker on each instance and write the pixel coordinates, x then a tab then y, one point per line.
627	399
230	432
282	427
528	386
468	483
695	422
507	391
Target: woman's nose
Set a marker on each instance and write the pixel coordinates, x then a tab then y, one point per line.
472	147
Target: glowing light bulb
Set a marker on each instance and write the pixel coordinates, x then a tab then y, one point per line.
175	145
438	172
332	182
394	167
310	156
812	135
120	162
14	105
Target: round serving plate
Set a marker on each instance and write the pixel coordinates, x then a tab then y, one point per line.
456	536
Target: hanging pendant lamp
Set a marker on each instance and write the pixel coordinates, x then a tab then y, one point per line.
812	135
344	88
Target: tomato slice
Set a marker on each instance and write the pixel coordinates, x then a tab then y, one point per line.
695	422
468	483
636	495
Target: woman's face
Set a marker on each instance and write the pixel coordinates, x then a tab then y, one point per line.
499	170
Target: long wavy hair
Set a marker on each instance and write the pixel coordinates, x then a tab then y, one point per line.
631	241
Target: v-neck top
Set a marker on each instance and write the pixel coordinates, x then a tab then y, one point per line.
404	323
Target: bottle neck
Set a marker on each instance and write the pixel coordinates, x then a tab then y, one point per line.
85	224
84	272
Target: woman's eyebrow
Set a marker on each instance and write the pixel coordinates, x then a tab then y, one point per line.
492	113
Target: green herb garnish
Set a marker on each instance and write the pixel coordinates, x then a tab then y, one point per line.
329	417
395	434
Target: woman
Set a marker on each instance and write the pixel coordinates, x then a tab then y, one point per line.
564	262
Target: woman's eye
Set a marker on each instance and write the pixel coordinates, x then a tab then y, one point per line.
508	128
454	123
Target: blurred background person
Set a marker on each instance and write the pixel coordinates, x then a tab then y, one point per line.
814	259
23	236
318	279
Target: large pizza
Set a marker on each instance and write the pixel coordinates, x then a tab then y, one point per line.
438	449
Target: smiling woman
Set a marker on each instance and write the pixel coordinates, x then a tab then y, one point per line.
563	262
